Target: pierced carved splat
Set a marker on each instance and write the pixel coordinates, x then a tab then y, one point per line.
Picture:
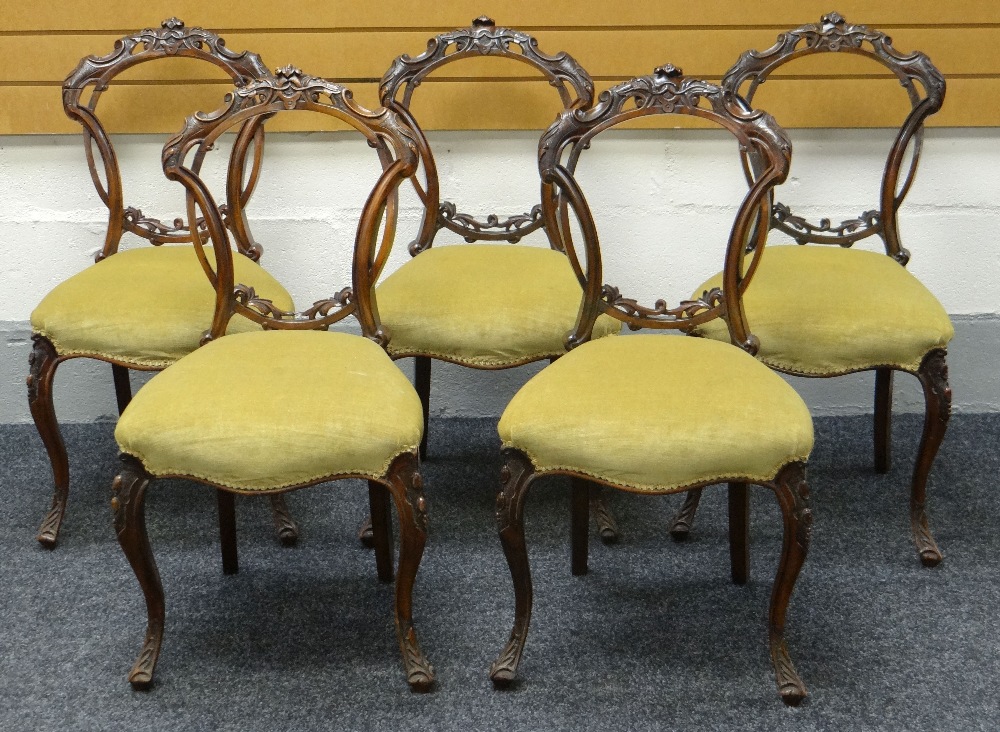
710	302
511	229
845	233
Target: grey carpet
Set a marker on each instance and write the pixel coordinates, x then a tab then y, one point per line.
655	637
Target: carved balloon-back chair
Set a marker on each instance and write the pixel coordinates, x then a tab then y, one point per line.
823	311
604	411
309	406
482	306
141	308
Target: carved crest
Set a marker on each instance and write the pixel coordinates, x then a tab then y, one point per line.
484	38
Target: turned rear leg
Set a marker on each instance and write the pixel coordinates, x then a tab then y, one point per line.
739	532
422	384
883	420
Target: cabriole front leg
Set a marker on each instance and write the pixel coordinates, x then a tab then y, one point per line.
128	494
515	476
933	376
793	496
42	369
407	489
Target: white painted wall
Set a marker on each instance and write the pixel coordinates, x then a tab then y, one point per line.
663	201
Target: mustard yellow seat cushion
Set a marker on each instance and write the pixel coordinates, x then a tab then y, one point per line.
659	412
145	307
488	306
823	310
271	409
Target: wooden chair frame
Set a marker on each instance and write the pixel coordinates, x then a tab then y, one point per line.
665	92
95	74
394	142
925	87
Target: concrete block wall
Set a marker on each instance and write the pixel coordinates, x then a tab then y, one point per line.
663	202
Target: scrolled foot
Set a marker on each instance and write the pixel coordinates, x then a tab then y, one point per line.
419	672
607	526
141	675
680	527
790	686
48	532
503	671
930	555
284	524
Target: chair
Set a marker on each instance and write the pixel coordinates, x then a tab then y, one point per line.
315	406
832	310
141	308
606	411
482	306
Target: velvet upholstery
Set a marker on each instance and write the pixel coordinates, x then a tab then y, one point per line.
824	311
659	412
487	306
144	307
237	413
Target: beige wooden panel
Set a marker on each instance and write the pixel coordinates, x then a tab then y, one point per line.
613	54
229	14
527	105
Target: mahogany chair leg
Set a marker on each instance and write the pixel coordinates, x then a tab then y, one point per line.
123	386
739	532
680	527
883	420
422	384
227	531
129	490
607	525
580	491
380	523
516	476
407	490
793	496
42	369
284	524
933	375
